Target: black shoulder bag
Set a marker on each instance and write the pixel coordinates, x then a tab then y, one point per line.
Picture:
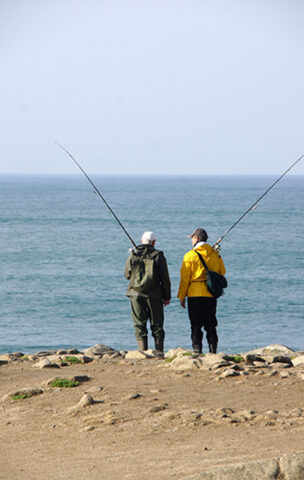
215	282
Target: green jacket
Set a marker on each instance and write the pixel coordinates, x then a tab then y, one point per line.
162	289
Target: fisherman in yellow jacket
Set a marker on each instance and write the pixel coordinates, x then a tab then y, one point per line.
201	303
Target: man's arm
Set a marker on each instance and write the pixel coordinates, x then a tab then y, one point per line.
127	269
164	278
185	276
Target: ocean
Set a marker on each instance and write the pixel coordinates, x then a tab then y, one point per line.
62	257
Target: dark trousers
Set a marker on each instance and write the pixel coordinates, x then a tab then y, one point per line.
144	309
202	314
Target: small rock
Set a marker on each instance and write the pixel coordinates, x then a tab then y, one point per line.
272	414
236	420
236	367
73	351
32	357
173	352
248	413
251	358
281	359
86	359
81	378
99	350
224	412
29	392
88	428
157	408
136	354
8	357
250	368
155	353
46	363
95	389
134	396
298	361
186	363
218	365
284	375
229	373
85	401
284	365
260	364
296	413
115	355
212	358
46	353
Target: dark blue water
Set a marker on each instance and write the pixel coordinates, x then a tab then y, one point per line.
62	257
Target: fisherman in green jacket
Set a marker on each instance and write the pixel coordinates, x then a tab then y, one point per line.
149	290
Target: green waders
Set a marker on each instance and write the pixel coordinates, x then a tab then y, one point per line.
144	309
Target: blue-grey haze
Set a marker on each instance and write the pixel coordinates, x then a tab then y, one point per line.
62	256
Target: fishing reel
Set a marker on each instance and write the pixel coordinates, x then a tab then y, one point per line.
217	247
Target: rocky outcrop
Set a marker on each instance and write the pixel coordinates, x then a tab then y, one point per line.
272	360
287	467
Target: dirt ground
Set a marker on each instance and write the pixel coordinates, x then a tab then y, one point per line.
148	421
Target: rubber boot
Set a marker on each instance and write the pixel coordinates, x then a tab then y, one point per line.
142	343
197	348
159	344
212	347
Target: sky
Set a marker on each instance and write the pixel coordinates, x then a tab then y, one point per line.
208	87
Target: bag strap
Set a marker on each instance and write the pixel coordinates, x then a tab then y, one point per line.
202	260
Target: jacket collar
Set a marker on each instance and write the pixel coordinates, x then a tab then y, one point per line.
198	244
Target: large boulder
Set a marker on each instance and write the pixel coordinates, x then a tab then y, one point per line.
274	349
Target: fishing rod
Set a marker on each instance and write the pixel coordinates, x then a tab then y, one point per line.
98	192
217	243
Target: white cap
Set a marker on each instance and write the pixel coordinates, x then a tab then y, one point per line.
148	237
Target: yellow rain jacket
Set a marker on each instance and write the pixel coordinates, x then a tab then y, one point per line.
193	273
